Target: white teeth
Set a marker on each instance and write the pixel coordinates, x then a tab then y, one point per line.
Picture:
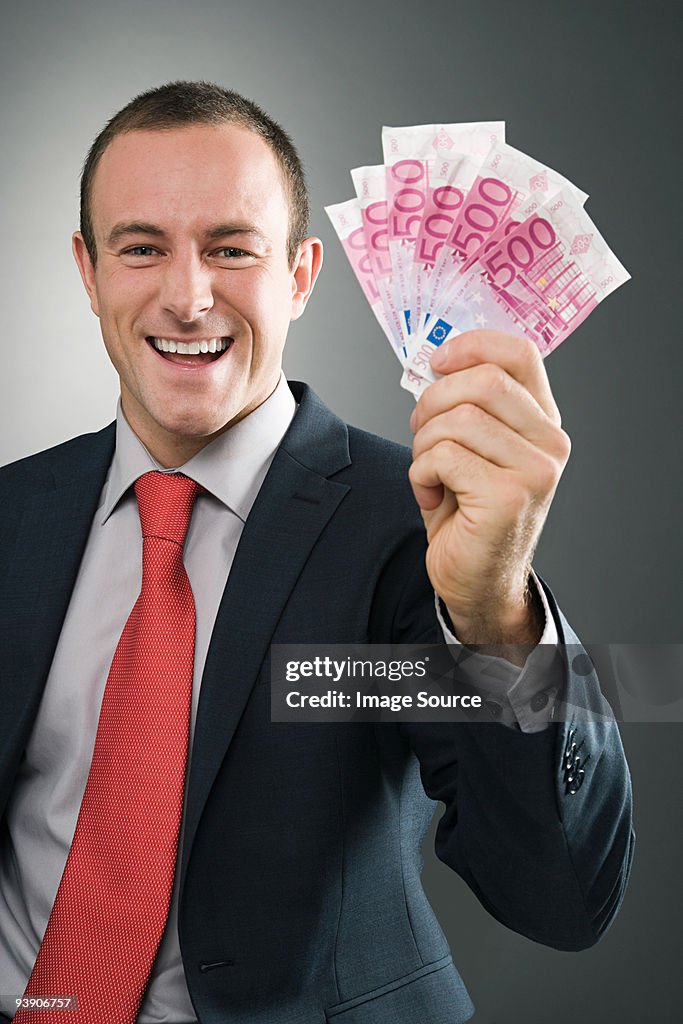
191	348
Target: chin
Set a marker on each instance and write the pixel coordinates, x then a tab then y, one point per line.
192	424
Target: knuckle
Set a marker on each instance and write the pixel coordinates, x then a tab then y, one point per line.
472	338
465	414
513	499
565	444
560	444
529	351
443	448
422	406
493	378
546	475
420	439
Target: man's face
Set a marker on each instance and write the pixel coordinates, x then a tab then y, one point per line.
191	228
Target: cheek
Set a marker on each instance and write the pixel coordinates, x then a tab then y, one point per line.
267	310
269	338
124	296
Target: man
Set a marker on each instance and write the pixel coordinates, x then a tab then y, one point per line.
276	878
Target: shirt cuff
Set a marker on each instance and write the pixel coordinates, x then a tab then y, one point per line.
517	697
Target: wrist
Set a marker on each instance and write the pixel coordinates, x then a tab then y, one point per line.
509	629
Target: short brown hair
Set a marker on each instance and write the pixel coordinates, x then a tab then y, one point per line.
181	103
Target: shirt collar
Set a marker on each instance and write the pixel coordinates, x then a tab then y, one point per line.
232	467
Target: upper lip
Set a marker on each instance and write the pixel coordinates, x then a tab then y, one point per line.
188	340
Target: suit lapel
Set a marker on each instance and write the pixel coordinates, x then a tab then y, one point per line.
293	506
36	586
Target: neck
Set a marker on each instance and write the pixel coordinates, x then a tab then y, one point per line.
176	451
171	449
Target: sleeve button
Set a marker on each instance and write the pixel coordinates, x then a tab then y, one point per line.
539	701
495	709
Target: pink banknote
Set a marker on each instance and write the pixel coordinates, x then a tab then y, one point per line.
450	181
506	180
458	230
371	189
409	157
347	221
541	280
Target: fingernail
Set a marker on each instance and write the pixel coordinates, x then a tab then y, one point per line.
440	355
413	418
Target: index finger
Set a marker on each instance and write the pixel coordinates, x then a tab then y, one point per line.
516	355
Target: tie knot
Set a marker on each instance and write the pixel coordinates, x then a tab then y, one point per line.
165	503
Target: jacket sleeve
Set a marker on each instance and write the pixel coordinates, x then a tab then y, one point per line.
538	824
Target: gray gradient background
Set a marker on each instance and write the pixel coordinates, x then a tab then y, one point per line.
588	88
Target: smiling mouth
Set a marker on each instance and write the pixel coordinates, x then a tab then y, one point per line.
190	352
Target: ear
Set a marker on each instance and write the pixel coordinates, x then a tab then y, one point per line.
304	274
86	269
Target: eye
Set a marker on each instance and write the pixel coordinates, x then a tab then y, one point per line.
231	252
140	250
232	256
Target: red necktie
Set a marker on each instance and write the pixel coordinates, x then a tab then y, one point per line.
113	899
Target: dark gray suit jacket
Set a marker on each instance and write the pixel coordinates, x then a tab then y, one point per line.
301	900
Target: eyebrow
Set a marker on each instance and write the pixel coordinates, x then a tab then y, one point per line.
122	230
228	230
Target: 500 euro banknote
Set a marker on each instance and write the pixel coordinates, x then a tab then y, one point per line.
409	157
541	280
371	190
370	226
459	230
347	221
506	180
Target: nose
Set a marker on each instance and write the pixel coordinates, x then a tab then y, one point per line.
186	289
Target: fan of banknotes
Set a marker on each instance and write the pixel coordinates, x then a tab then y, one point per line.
458	230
